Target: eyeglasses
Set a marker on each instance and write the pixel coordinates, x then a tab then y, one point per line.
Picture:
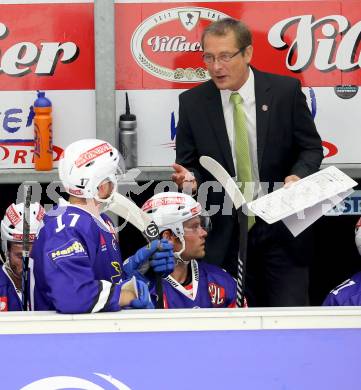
225	57
203	223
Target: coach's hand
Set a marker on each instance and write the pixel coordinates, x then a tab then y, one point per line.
289	180
184	179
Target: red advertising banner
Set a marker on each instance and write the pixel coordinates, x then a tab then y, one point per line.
47	46
158	44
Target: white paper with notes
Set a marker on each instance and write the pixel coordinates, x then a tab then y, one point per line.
306	200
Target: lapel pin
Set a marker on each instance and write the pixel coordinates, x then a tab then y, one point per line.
265	107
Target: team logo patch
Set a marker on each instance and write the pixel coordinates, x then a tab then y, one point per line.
68	250
3	303
217	294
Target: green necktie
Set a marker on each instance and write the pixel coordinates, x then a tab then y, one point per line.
243	159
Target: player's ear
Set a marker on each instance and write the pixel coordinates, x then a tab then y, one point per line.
168	235
103	189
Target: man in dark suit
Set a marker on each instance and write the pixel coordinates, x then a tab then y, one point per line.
283	146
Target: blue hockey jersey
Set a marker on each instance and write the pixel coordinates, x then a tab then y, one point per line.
76	263
9	297
210	286
347	293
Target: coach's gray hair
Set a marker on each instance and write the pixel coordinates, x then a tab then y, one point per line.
224	26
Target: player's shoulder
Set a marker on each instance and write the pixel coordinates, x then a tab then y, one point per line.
68	216
214	270
3	277
351	284
63	209
348	292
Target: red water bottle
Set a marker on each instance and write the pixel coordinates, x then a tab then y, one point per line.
43	137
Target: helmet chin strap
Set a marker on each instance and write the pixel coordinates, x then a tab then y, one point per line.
104	202
177	255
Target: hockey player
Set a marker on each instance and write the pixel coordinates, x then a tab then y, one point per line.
192	284
76	257
348	293
12	247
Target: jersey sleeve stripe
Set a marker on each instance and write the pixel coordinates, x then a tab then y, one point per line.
105	289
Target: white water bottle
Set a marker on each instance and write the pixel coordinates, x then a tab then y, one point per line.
128	145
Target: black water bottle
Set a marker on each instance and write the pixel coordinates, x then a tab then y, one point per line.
128	136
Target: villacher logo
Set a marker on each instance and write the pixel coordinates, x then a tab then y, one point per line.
167	44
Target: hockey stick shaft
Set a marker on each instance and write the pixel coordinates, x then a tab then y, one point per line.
242	256
130	212
238	200
25	252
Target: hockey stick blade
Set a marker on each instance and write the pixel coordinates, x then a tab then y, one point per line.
216	169
130	212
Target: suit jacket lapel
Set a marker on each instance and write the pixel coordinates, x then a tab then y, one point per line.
263	95
215	112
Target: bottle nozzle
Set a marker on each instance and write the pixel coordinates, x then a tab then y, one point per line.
127	116
127	108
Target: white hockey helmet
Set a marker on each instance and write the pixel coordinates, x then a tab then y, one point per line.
12	223
169	210
358	235
86	163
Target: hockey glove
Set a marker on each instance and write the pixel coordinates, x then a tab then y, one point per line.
138	264
143	301
163	262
